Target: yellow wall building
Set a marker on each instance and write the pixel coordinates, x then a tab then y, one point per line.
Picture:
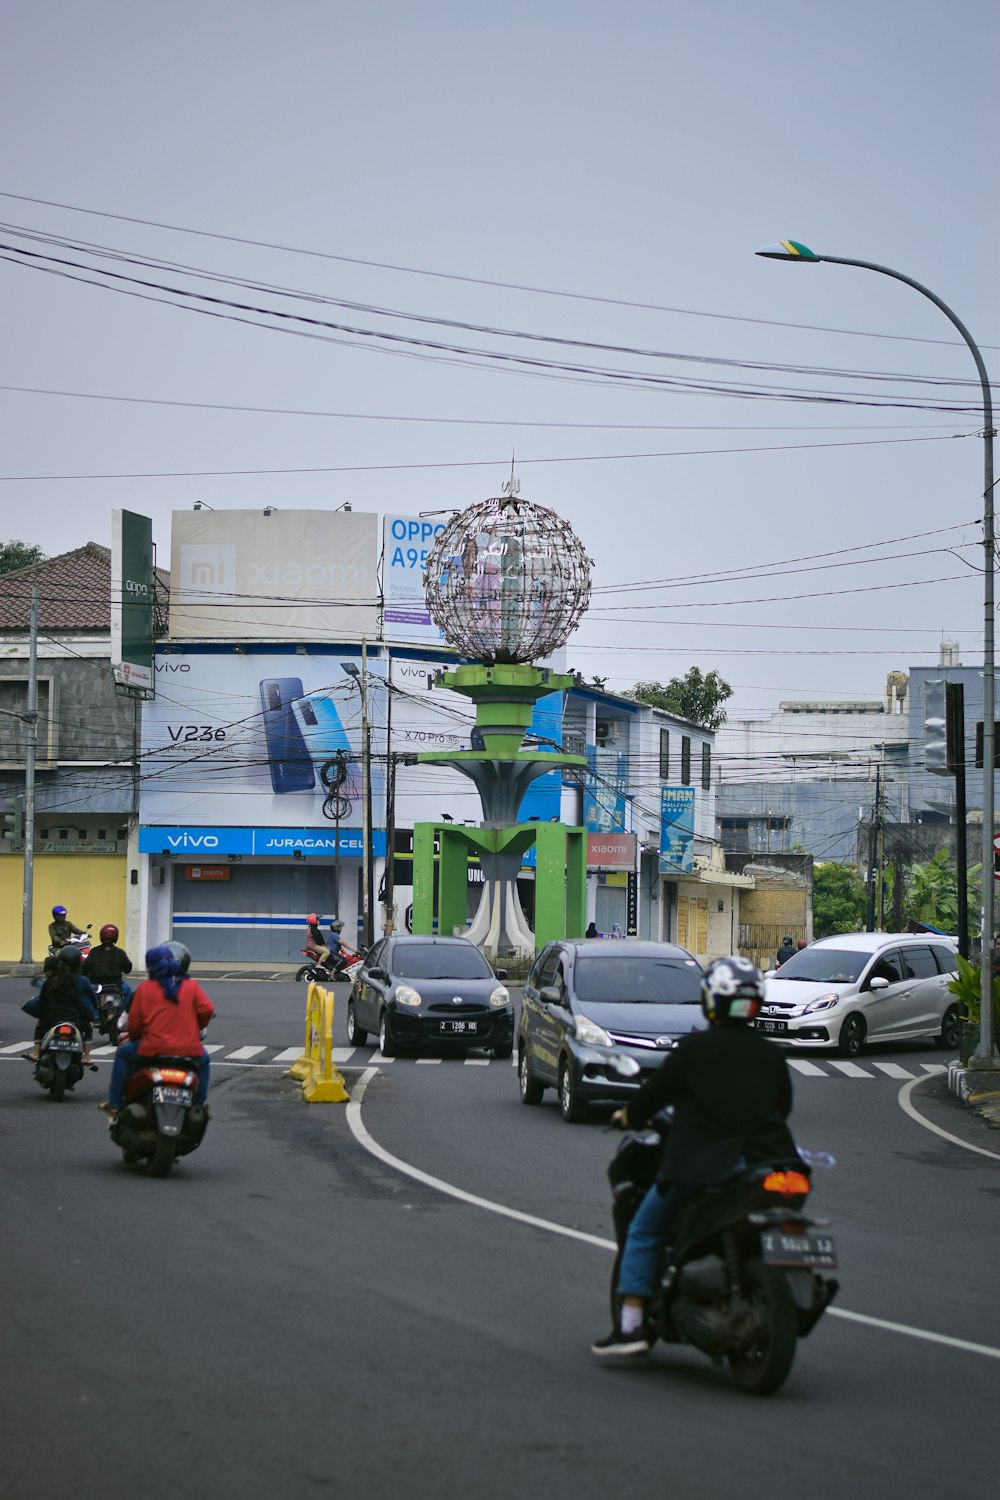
90	886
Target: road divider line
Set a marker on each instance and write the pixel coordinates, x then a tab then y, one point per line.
368	1142
908	1107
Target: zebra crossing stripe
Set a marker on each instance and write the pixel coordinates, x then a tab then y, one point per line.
290	1054
892	1070
243	1054
809	1069
16	1047
849	1069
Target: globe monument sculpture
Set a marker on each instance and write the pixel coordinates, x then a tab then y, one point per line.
506	582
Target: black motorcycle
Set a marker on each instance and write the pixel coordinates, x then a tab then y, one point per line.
110	1003
160	1120
60	1060
742	1280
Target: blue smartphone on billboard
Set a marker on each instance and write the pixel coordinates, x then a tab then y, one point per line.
323	734
288	759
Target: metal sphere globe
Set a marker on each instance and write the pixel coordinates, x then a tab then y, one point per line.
507	581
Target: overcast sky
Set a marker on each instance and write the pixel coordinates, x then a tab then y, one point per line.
632	152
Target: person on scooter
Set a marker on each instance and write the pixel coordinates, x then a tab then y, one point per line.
165	1019
61	929
63	998
316	942
107	963
732	1094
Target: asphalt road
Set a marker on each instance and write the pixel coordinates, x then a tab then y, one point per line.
288	1313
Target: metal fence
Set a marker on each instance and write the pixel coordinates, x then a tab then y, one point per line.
760	941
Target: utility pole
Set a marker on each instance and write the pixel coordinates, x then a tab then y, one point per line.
389	892
366	757
880	864
873	850
31	750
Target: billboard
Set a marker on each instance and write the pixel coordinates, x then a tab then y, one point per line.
132	599
406	544
676	830
250	742
273	575
604	790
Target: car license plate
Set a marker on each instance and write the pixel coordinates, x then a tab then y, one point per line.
772	1026
454	1028
780	1248
163	1094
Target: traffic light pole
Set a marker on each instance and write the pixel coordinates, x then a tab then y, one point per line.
31	718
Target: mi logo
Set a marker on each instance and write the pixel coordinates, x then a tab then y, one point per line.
207	572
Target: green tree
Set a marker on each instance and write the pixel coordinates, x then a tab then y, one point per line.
931	894
14	555
695	697
839	899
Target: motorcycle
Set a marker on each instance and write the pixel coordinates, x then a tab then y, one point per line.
317	973
82	940
110	1003
60	1060
160	1119
743	1279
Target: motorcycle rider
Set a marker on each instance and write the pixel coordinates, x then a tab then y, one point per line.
165	1019
64	998
61	929
732	1094
316	942
786	951
107	963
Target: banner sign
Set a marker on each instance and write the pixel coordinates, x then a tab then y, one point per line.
406	545
199	842
676	830
132	599
611	851
273	575
632	906
240	740
604	790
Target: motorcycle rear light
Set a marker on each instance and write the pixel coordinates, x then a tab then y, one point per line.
64	1031
173	1075
788	1184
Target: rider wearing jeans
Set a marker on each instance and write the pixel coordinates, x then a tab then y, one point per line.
732	1094
165	1019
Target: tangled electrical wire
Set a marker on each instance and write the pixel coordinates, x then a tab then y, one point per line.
333	774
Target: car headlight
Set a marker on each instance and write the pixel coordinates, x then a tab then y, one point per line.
500	996
590	1034
823	1003
406	996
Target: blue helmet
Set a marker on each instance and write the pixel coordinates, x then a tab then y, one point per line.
59	911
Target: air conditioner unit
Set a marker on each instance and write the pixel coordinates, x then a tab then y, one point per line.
608	730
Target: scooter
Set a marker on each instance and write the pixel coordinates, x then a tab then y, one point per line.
743	1279
160	1119
110	1001
317	973
82	940
60	1060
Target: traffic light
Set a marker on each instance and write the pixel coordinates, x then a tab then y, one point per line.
13	820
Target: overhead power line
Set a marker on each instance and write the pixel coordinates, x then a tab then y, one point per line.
512	286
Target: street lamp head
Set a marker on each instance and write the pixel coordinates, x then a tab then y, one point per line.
350	669
788	250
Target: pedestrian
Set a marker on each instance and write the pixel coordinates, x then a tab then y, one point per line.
592	931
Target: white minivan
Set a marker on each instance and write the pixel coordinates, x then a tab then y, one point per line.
858	987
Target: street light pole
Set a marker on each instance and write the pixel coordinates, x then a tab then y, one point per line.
794	251
367	896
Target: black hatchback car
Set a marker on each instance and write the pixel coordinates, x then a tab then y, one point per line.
588	1002
416	990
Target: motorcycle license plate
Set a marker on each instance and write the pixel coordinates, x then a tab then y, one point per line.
167	1094
773	1026
781	1248
63	1044
454	1028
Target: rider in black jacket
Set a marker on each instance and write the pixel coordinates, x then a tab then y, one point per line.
732	1095
107	963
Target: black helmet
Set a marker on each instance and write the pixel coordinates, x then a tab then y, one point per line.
732	989
182	955
70	956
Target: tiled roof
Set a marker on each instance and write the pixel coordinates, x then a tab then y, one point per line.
74	591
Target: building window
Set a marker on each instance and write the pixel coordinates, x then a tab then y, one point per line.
735	834
664	754
706	766
685	760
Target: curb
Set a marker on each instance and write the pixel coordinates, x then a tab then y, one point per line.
977	1088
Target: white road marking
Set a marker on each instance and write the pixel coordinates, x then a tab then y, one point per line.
16	1047
477	1062
368	1142
934	1067
892	1070
427	1059
215	1047
341	1054
908	1107
103	1051
808	1068
850	1070
244	1054
290	1054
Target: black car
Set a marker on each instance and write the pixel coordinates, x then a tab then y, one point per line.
589	1002
415	990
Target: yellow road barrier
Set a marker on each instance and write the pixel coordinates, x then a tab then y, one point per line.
321	1082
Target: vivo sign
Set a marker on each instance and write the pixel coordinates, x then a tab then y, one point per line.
260	841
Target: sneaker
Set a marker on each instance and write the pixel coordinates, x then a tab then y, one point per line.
621	1345
108	1109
